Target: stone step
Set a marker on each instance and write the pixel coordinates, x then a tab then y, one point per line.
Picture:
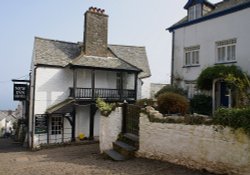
130	139
114	155
123	148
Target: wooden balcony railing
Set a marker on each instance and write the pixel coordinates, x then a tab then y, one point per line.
112	94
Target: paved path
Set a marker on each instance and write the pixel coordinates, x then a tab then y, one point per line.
79	160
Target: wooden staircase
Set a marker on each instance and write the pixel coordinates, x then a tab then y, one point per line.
124	148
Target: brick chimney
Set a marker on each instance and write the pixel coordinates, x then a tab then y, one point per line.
96	32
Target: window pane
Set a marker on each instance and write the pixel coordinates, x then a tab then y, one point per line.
191	12
231	52
56	125
196	57
193	57
198	11
187	58
221	54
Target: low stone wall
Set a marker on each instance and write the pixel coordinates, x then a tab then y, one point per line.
215	149
110	128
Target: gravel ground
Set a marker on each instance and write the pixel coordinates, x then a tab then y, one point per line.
79	160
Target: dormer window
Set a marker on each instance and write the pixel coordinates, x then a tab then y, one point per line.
194	12
198	8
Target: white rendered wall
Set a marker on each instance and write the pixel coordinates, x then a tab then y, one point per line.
139	88
52	86
145	88
105	79
205	34
97	123
129	81
110	128
83	78
82	120
196	146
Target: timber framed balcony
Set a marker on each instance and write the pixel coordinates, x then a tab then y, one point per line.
108	94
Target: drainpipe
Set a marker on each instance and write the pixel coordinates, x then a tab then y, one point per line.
31	122
172	59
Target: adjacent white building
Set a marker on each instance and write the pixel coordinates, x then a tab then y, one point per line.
67	78
210	34
7	119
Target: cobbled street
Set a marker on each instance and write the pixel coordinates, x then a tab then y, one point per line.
78	160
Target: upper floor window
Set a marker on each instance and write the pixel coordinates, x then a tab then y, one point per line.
192	56
194	12
226	51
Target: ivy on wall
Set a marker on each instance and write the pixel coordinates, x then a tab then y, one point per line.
205	79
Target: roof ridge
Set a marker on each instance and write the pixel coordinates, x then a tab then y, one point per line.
61	41
126	45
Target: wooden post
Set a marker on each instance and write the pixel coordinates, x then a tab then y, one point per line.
121	86
124	115
73	124
136	86
93	83
74	82
92	121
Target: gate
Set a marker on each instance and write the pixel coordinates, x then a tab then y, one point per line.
131	115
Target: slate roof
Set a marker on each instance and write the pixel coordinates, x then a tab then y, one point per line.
4	114
220	8
133	55
60	53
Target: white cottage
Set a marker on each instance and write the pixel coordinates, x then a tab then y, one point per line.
7	119
210	34
67	78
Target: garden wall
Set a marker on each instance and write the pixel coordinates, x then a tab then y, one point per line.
213	148
216	149
110	128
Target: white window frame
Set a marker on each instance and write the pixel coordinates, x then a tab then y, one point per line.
194	12
226	51
192	56
56	125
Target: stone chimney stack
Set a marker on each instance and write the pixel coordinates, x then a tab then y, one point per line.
96	32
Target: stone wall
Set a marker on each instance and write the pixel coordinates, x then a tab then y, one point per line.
215	149
110	128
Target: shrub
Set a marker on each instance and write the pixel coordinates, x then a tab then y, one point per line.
172	103
205	79
234	117
145	101
170	88
105	108
201	104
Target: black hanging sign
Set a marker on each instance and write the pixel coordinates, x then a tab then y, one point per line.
41	123
20	92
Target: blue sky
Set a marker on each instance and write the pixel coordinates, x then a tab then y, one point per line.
131	22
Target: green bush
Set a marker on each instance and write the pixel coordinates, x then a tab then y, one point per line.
201	104
205	79
234	117
172	103
105	108
170	88
145	101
